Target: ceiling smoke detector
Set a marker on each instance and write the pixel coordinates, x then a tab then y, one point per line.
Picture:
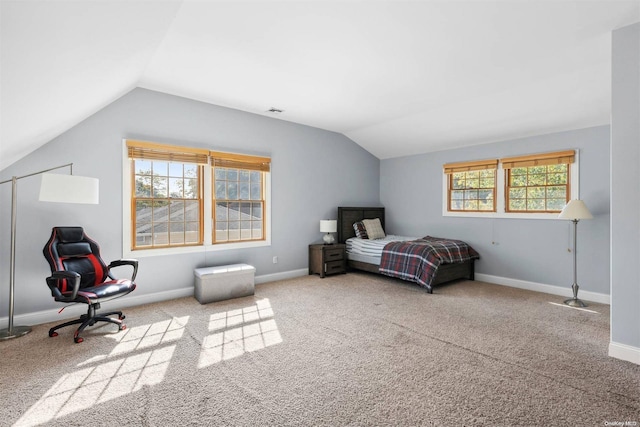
275	110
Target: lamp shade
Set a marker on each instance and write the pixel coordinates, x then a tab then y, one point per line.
575	209
69	189
328	226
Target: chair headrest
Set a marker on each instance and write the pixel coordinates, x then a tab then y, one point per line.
70	234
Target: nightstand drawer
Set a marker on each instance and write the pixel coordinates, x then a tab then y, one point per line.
332	267
334	254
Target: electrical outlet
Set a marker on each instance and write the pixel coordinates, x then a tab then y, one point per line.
275	259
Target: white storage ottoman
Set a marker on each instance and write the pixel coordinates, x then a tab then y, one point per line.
224	282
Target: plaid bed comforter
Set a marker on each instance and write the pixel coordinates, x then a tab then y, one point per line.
418	260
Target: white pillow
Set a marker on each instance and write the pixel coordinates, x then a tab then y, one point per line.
374	228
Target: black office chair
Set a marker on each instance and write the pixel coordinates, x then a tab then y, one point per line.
78	275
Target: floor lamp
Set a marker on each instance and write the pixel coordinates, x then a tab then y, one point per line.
575	210
53	188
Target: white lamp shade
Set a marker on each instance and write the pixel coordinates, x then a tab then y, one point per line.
575	209
328	226
69	189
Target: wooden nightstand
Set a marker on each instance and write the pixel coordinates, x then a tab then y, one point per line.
327	259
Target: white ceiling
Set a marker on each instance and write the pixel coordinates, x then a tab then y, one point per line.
397	77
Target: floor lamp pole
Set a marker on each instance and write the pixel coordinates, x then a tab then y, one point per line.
16	331
575	302
11	331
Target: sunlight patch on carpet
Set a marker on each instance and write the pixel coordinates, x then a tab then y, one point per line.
110	378
141	337
573	308
236	332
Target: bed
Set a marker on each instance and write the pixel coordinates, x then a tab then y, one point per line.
369	258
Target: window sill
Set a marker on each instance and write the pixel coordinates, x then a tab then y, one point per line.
144	253
502	215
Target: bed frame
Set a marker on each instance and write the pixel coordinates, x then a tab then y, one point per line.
348	215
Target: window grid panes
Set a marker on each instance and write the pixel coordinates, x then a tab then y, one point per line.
537	188
167	206
239	205
472	191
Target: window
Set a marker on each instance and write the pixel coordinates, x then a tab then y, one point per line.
172	190
238	197
471	186
538	183
166	201
534	186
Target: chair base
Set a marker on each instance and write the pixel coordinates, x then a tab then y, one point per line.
90	319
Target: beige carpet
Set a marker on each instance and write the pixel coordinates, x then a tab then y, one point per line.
347	350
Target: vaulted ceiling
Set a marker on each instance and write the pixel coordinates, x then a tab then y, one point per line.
397	77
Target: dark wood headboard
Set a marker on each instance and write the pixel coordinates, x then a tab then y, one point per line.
348	215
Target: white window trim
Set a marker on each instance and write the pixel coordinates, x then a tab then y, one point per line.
207	245
500	197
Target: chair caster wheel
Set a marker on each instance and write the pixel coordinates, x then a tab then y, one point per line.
78	340
53	334
123	327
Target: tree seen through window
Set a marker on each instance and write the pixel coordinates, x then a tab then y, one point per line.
538	188
472	190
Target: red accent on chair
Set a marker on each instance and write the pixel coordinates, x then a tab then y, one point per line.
97	265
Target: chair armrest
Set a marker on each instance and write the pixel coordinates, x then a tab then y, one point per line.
56	276
121	262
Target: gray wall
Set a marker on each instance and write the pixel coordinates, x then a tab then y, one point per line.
313	172
625	187
533	250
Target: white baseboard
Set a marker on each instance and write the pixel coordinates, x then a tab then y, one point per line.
281	276
132	300
541	287
624	352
